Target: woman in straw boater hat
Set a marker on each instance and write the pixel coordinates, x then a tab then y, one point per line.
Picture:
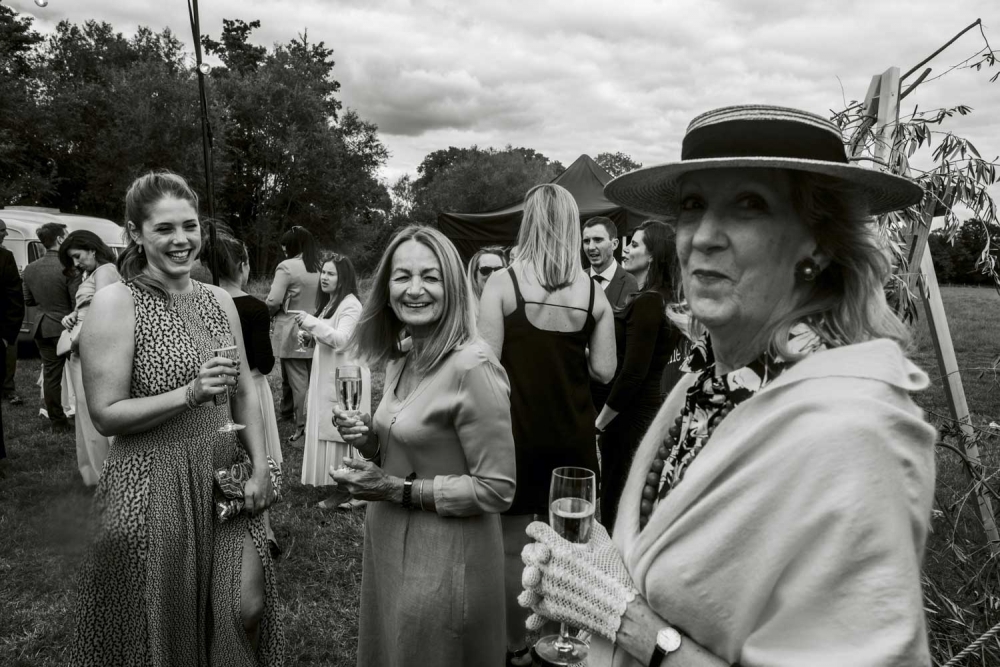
777	508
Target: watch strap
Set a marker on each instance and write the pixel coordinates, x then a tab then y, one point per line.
408	491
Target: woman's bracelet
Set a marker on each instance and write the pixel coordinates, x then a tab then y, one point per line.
420	496
189	397
378	448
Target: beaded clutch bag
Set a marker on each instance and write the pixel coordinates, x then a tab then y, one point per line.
229	483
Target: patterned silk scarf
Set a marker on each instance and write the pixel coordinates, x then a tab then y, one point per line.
711	394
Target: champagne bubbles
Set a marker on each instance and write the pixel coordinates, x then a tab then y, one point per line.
42	3
204	68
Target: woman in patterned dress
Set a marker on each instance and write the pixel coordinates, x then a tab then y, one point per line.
166	583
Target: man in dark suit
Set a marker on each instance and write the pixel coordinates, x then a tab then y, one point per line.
46	286
9	389
600	240
11	311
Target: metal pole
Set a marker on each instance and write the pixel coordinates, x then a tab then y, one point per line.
206	134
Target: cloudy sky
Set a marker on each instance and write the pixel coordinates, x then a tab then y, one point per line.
567	77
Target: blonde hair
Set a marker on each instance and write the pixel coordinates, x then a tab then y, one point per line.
549	240
846	303
377	335
474	266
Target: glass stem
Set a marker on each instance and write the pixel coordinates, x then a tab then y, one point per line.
561	644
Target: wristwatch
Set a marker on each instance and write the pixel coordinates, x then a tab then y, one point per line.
668	640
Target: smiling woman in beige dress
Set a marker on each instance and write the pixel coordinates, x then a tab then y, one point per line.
438	463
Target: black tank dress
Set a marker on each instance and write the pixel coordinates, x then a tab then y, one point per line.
551	409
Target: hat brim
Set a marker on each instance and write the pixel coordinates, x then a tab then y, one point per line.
654	190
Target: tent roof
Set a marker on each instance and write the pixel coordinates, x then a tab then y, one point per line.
585	180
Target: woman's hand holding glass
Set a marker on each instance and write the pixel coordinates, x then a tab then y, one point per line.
353	425
583	585
215	377
304	338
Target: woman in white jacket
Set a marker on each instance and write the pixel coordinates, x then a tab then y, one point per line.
337	313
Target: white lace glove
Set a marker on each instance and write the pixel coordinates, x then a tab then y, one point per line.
583	585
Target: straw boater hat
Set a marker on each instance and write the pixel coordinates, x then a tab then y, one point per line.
759	136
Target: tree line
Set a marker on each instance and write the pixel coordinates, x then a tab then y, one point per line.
86	109
961	255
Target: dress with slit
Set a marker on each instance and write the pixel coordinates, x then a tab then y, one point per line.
161	584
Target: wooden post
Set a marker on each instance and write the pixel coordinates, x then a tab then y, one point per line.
888	116
918	233
954	392
883	100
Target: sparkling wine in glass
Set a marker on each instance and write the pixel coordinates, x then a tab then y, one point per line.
227	348
348	383
572	501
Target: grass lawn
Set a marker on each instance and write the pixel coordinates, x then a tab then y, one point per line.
44	522
44	525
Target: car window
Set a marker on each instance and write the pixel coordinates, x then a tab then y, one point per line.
35	250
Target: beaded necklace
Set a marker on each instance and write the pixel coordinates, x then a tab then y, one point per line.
710	400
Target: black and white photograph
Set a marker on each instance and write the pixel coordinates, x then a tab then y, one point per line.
427	333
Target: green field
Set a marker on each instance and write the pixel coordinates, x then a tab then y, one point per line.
44	525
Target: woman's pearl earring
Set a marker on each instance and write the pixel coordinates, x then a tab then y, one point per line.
807	270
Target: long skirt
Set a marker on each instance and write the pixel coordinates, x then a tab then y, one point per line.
432	590
266	398
161	586
91	446
68	394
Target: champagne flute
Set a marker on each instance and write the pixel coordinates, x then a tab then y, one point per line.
348	383
227	348
572	500
304	346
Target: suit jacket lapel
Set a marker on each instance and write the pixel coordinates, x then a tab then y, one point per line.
614	289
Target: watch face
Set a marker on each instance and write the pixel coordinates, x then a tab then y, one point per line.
668	639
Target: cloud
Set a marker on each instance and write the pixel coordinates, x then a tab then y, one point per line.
569	77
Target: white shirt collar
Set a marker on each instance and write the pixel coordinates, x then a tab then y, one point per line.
607	273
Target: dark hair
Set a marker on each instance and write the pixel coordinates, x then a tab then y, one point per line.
228	250
661	245
84	240
347	283
299	241
142	195
50	232
609	225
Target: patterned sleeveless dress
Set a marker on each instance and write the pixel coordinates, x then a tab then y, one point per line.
161	584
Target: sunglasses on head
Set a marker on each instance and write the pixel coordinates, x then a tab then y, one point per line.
487	270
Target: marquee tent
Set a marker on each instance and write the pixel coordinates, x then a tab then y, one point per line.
585	180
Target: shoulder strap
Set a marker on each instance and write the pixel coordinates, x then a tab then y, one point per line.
517	290
590	306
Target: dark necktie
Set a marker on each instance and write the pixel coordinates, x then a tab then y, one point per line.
600	279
